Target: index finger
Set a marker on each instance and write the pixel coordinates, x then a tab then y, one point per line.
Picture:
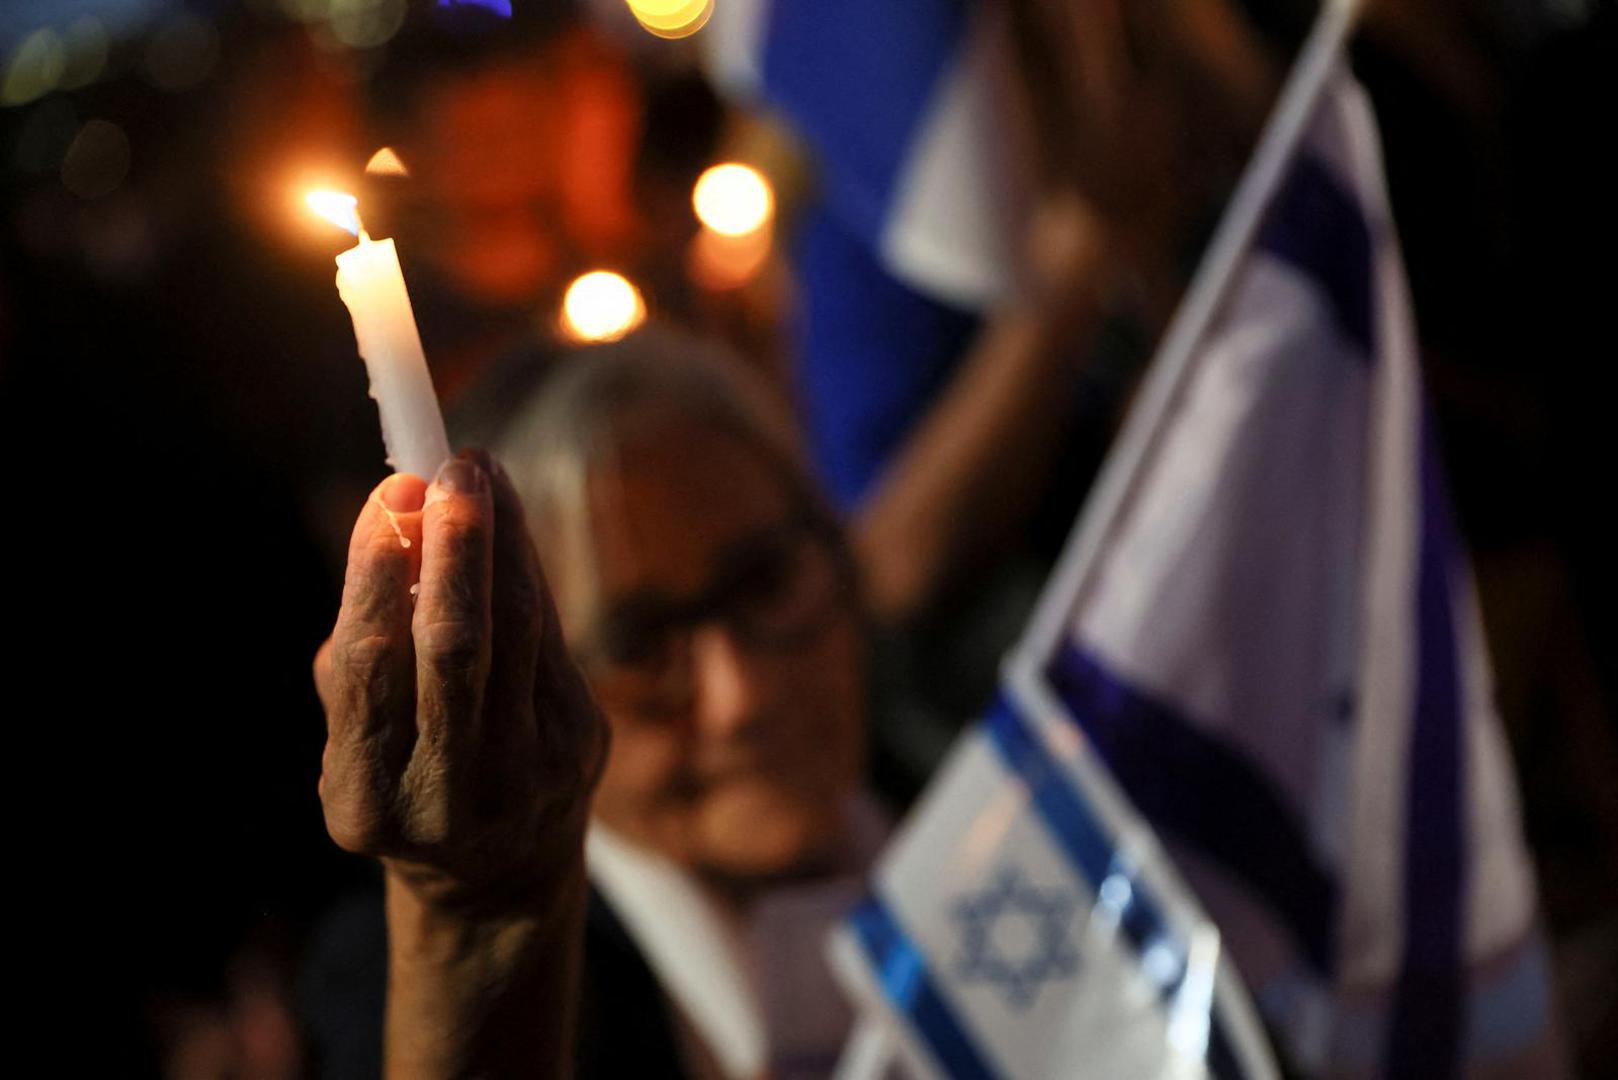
363	672
367	679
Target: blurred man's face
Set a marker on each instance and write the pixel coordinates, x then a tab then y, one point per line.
523	170
725	653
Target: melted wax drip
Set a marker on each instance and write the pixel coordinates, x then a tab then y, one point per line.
393	523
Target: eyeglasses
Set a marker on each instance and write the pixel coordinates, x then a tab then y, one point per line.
775	589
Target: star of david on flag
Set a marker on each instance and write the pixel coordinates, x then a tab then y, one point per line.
1015	934
1248	739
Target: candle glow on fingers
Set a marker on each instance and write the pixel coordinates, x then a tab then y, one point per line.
371	284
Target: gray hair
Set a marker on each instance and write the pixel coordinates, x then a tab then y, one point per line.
573	426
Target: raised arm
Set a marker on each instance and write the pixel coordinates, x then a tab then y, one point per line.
461	749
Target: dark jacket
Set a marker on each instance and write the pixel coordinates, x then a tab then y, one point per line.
626	1026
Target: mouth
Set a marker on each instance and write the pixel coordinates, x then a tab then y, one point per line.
692	786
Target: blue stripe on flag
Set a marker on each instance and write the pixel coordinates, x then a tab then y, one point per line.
1075	827
1204	792
1316	226
875	353
1425	1034
901	969
856	77
1081	835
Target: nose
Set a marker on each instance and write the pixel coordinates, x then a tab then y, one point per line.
729	682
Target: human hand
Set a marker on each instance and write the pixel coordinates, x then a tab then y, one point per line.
462	744
1145	111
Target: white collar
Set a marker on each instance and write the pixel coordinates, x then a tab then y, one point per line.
692	947
700	954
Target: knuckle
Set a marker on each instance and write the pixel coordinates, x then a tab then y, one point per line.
375	563
430	808
320	669
451	646
362	653
358	828
355	798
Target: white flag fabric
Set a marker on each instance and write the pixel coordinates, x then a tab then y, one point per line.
1270	647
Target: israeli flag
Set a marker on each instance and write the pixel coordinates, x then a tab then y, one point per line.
1024	924
909	112
1250	728
907	108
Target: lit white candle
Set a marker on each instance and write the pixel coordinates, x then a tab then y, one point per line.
372	285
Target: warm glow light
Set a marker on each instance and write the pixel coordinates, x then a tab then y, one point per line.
601	306
719	262
671	18
337	207
733	200
386	163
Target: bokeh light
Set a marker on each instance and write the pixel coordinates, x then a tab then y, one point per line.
671	18
34	69
733	200
353	24
88	47
718	262
365	24
601	306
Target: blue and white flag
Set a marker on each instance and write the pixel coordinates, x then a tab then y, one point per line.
1023	924
909	113
908	110
1250	728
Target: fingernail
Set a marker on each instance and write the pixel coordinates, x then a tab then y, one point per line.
402	495
460	476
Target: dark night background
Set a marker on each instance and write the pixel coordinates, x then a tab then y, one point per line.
188	437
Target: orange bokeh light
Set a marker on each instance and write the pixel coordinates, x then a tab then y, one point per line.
601	306
733	199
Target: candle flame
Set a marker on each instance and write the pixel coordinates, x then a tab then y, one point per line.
601	306
337	207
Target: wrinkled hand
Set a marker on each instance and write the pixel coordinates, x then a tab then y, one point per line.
461	742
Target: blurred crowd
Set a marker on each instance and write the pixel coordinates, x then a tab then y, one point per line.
191	435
